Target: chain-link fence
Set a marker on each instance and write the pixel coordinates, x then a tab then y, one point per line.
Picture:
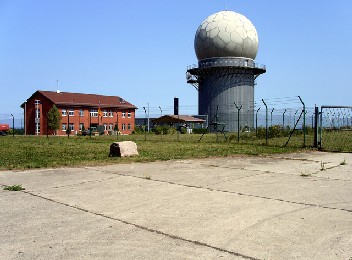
281	122
335	128
14	121
276	122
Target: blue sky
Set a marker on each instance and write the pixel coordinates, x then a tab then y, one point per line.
140	50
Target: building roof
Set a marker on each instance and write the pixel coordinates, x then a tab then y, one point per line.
87	100
177	119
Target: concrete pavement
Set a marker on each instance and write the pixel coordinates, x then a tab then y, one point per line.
296	206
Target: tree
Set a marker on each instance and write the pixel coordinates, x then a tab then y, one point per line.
54	118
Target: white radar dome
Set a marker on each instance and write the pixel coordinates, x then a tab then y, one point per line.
226	34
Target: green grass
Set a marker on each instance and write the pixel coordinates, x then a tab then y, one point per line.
28	152
337	141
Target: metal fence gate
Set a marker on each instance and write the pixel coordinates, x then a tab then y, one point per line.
335	128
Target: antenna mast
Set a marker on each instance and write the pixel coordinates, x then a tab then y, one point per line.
57	86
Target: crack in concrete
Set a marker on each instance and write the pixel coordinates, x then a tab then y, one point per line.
151	230
238	193
268	171
240	178
82	182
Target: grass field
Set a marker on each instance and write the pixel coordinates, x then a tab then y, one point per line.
337	141
26	152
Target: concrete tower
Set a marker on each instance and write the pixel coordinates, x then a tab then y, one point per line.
226	44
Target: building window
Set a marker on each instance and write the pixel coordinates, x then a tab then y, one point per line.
129	114
63	113
123	126
72	126
129	126
37	113
37	128
71	112
81	126
111	113
63	127
111	127
94	112
105	113
123	113
105	127
81	112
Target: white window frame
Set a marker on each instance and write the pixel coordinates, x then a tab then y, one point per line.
123	113
81	125
111	127
123	126
81	112
94	112
37	128
129	126
71	127
64	127
111	113
105	113
71	112
105	127
37	113
63	112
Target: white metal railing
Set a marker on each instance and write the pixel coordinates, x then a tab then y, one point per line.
227	62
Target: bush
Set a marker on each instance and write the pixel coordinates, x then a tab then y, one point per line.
200	130
18	131
161	129
138	130
274	131
183	130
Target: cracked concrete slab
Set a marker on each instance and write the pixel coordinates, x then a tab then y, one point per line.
230	208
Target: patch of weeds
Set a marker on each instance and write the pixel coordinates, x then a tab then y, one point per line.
322	166
343	162
14	188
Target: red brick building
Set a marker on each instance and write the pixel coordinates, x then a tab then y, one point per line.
78	112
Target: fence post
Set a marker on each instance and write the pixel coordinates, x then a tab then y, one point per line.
304	122
238	121
316	116
216	123
271	117
266	122
256	122
68	130
320	142
145	124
